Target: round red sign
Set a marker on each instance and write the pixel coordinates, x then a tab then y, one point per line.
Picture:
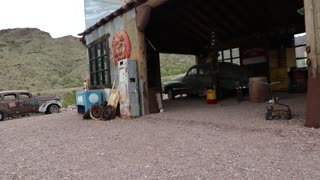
121	47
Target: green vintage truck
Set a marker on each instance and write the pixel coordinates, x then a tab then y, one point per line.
227	77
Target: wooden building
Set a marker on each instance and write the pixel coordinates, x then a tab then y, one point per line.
204	28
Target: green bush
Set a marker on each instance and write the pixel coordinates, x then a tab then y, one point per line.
68	98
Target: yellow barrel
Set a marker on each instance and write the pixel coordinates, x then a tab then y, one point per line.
211	96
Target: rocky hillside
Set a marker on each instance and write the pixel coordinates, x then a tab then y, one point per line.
32	59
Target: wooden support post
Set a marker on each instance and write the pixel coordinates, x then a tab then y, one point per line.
312	21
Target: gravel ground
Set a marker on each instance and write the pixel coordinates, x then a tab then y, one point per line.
190	140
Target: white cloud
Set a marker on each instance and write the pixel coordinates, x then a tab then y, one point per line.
58	17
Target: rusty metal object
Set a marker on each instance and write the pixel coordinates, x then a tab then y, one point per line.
313	103
109	112
274	110
308	49
96	112
21	102
121	47
309	62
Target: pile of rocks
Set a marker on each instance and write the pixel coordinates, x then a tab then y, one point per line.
69	108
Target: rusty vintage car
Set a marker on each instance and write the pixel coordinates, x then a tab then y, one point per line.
21	102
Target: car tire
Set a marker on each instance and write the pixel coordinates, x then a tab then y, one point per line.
171	94
52	109
2	116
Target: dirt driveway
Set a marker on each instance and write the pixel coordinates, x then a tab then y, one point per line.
190	140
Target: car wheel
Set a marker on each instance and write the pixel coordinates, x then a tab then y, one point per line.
2	116
52	109
171	94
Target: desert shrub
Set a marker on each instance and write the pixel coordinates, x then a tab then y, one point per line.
68	98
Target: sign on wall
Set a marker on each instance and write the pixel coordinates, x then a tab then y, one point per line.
253	56
121	47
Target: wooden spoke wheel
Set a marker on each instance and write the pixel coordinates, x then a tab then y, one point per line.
95	112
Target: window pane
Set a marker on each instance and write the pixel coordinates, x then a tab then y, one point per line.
226	54
103	62
100	78
93	79
24	96
104	47
235	52
220	55
301	63
107	77
9	97
93	53
204	71
300	39
98	47
301	52
227	60
193	71
104	77
93	66
236	61
99	64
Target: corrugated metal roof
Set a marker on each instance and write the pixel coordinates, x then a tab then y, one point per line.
125	8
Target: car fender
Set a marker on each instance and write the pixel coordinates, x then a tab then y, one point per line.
43	107
4	111
173	85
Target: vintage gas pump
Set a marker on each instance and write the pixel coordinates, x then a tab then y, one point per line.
129	88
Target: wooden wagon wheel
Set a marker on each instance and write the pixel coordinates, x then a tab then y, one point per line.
95	112
109	112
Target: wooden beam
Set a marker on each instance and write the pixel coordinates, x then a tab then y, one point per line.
237	8
312	16
155	3
211	11
186	25
231	18
312	20
197	23
258	16
196	11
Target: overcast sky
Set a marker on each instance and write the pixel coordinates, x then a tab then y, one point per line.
57	17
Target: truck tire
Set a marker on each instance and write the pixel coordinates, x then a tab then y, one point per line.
52	109
171	94
2	116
